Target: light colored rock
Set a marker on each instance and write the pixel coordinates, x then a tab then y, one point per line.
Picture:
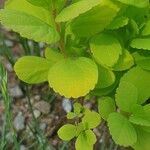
50	147
37	113
16	91
22	147
9	137
42	126
9	67
37	97
9	43
43	107
19	122
66	104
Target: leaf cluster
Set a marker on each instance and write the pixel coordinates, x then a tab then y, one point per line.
99	48
82	130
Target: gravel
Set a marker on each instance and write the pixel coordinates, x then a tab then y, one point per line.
19	122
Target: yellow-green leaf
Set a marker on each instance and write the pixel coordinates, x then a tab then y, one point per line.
125	62
122	131
26	7
95	20
106	49
106	106
141	43
32	69
73	77
76	9
28	26
126	96
141	80
53	55
85	140
106	77
67	132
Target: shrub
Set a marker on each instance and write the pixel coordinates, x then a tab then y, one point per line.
96	48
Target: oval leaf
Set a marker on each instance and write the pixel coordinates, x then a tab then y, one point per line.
85	140
125	62
73	77
118	22
141	43
28	26
106	106
67	132
122	131
32	69
106	77
126	96
106	49
140	115
141	80
53	55
95	20
142	61
76	9
26	7
91	123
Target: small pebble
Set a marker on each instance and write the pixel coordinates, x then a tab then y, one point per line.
22	147
16	92
42	126
37	97
9	137
50	147
9	67
43	107
9	43
19	122
37	113
67	106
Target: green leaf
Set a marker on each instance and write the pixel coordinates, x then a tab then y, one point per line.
109	90
26	7
146	30
126	96
143	139
106	49
122	131
141	43
41	3
91	123
32	69
73	77
71	115
77	108
76	9
142	61
118	22
125	62
141	115
137	3
141	80
106	105
106	77
67	132
85	140
95	20
28	26
104	91
53	55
